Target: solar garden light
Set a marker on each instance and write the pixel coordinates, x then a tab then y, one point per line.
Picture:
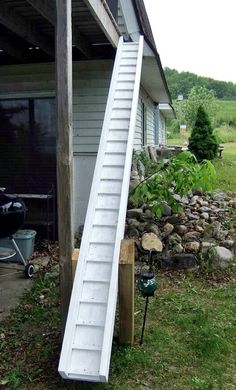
147	283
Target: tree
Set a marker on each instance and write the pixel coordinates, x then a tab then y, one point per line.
199	96
202	142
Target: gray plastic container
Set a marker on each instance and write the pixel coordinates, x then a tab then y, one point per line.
25	241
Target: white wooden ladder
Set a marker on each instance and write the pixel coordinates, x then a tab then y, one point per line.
88	335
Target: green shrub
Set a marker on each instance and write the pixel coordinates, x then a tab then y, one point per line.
202	142
181	175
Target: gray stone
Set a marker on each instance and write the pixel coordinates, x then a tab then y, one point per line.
228	244
181	229
232	203
167	229
166	210
205	246
192	246
193	216
202	202
178	248
192	236
204	209
193	200
134	213
133	233
149	214
174	239
173	219
151	242
153	229
142	227
218	196
181	199
205	216
221	257
133	223
199	229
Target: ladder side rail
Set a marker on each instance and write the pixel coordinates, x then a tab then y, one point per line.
74	302
111	306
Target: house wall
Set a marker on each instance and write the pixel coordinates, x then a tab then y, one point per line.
91	82
162	130
150	121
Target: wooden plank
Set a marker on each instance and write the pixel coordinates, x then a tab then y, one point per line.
47	10
105	20
25	29
64	150
75	258
126	292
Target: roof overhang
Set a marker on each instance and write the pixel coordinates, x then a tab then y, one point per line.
167	110
152	80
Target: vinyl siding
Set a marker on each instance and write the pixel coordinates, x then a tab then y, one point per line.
90	90
150	117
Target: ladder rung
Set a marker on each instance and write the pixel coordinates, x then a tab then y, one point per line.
105	224
86	347
93	302
105	281
100	261
102	242
90	323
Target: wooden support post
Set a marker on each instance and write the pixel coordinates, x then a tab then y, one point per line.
64	150
75	256
126	292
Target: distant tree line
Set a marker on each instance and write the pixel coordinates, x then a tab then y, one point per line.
180	83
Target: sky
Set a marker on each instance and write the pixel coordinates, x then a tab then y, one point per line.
196	36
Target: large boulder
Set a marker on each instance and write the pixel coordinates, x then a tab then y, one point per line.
221	257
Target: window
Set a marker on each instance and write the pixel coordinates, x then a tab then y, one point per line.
27	145
144	123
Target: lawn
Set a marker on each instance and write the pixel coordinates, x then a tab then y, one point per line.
226	168
189	342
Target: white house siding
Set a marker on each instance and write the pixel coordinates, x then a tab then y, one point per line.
90	90
150	121
162	130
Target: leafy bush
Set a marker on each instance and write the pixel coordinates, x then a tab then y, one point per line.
181	175
202	142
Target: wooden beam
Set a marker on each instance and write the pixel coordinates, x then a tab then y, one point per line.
64	150
25	29
126	292
47	9
11	48
104	19
75	258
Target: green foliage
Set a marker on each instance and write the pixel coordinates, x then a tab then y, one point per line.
182	174
198	96
183	82
225	134
202	142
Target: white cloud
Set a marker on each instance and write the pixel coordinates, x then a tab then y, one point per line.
195	36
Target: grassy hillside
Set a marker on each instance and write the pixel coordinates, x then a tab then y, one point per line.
180	83
225	125
226	112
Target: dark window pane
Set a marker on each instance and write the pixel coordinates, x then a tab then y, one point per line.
27	145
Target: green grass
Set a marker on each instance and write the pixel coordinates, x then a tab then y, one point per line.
226	168
189	341
226	112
